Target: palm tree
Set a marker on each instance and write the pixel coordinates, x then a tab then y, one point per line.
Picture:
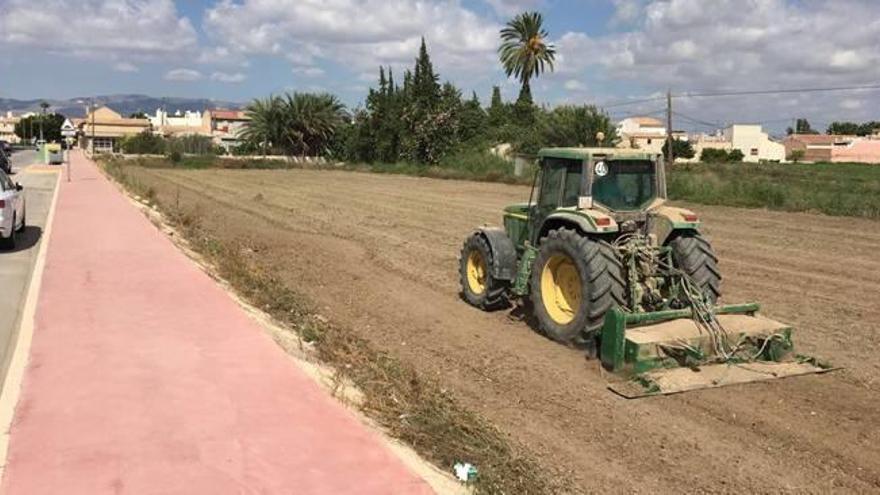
266	128
524	51
311	120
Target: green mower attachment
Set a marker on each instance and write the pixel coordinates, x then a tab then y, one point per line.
666	352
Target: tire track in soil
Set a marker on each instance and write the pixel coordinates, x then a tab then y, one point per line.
812	434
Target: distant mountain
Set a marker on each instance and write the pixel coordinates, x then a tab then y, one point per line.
124	104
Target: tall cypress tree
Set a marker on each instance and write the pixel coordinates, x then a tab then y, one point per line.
426	90
497	110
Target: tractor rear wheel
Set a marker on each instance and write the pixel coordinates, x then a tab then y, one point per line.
478	286
693	254
575	281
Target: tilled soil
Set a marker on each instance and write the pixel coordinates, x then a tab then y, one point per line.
380	253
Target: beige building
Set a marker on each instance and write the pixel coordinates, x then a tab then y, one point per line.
102	129
644	133
225	126
7	128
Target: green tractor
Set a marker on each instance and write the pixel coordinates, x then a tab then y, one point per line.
607	266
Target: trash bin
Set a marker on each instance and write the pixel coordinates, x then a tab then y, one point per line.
54	155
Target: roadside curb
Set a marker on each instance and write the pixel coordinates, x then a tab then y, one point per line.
17	364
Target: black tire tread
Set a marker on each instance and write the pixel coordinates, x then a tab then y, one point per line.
496	290
693	254
604	287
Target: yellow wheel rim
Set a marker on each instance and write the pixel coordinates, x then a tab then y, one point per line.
476	272
561	288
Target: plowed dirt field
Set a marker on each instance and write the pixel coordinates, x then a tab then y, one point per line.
379	253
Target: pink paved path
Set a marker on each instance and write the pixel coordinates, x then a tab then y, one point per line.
145	377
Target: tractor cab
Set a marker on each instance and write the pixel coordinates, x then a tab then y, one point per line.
596	188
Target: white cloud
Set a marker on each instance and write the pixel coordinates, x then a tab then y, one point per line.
125	67
514	7
681	43
226	77
144	29
574	85
627	11
357	34
308	71
183	75
850	104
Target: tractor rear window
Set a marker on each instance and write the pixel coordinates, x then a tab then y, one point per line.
624	184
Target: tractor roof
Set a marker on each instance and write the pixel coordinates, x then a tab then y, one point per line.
586	153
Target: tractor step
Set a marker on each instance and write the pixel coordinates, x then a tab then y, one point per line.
676	380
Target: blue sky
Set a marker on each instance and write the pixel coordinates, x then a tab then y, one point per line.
609	50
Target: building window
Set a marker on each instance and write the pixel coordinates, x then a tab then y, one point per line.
754	152
649	140
103	145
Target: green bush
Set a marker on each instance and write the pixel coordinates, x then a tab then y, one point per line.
145	143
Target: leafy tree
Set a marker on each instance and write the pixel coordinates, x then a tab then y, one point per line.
715	155
473	119
570	125
680	149
145	143
137	115
851	128
796	155
524	51
28	128
801	126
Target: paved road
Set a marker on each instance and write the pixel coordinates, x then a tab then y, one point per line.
146	377
17	265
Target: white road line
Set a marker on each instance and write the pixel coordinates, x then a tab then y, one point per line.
15	373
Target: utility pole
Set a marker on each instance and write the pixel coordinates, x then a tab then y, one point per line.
669	156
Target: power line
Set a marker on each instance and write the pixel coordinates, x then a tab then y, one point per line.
776	91
698	121
619	103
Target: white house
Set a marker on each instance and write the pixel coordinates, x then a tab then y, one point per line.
755	144
178	119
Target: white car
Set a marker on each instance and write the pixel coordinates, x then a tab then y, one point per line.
12	212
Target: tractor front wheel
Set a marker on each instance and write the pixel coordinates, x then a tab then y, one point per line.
478	287
575	281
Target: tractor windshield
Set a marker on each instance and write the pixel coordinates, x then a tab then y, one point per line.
624	184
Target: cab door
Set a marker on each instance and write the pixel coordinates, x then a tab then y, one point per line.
550	192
